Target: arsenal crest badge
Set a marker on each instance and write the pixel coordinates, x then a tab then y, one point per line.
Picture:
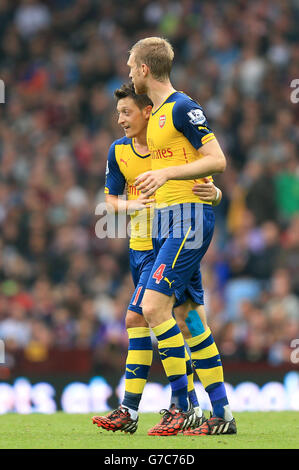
162	120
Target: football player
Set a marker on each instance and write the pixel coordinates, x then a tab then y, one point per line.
183	150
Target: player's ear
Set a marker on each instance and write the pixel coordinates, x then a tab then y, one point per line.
145	70
147	111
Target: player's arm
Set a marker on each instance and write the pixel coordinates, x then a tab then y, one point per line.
115	182
114	188
211	161
208	192
117	204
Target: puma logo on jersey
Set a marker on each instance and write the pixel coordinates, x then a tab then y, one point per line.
164	353
132	371
168	281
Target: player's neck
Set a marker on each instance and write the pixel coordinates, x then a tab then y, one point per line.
159	92
140	143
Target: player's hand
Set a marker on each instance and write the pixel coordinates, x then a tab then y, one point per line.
150	181
205	191
141	203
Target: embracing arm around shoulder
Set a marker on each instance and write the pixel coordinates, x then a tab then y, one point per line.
208	192
212	161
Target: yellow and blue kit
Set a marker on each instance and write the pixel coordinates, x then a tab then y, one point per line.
183	224
123	166
175	133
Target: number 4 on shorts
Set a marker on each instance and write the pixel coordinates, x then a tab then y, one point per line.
158	274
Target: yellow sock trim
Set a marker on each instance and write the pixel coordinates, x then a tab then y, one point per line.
138	332
206	353
172	342
166	325
198	339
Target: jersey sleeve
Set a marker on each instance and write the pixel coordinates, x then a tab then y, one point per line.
115	180
189	118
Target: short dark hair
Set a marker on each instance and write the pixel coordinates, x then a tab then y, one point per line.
127	90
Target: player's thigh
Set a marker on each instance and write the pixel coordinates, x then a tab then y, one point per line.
178	259
182	313
202	315
171	272
189	309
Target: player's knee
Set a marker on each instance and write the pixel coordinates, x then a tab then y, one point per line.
156	307
150	312
130	323
135	320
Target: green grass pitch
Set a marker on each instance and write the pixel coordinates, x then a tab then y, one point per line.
256	430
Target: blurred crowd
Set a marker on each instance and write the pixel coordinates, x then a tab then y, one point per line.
60	60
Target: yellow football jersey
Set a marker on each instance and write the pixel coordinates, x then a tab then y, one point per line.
123	166
175	132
